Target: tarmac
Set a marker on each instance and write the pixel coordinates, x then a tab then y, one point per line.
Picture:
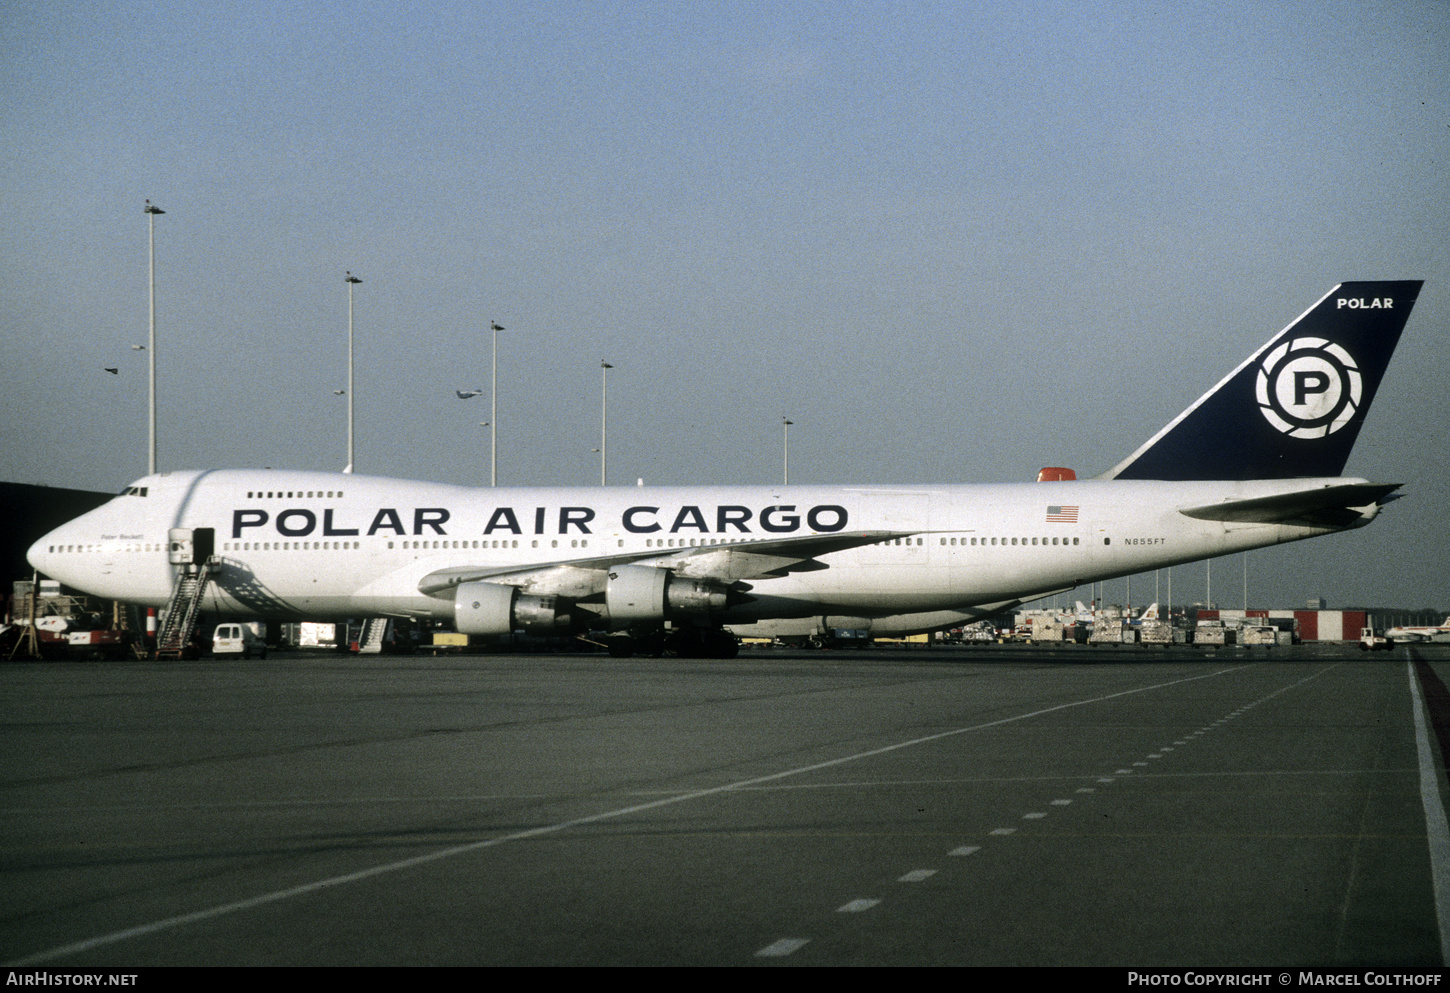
989	805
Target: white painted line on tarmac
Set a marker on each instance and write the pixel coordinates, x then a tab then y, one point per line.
305	889
1004	831
856	906
965	850
1436	829
1035	816
781	948
917	875
857	784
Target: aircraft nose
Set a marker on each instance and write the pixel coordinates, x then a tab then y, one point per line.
39	554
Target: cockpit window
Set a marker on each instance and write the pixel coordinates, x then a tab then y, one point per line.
133	491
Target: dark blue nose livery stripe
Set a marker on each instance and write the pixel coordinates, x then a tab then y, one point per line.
1295	407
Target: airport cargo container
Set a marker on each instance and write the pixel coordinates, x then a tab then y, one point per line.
1210	633
1156	633
1045	630
1258	634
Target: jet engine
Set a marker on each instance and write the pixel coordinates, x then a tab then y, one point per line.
492	608
637	594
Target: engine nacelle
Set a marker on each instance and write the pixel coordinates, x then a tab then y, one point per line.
643	594
492	608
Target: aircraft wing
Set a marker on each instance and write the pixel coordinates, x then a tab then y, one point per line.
1328	506
763	559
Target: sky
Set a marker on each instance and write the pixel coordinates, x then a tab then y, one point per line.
952	243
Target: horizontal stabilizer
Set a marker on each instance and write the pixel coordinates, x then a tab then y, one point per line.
1330	506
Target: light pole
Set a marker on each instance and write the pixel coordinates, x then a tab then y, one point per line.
351	281
785	445
151	211
604	368
493	418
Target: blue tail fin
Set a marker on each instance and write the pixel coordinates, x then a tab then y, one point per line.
1294	407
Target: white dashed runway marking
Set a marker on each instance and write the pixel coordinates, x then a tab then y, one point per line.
918	875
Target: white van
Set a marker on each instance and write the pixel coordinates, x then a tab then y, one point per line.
238	639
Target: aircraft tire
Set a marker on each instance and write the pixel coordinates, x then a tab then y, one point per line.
703	643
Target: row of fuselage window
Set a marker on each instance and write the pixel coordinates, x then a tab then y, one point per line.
986	541
253	546
1016	541
269	546
230	546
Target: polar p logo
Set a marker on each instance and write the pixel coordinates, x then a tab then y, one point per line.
1309	388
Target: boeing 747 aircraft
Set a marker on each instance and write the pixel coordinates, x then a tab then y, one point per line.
1256	461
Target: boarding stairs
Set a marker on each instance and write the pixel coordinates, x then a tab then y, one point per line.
370	639
183	611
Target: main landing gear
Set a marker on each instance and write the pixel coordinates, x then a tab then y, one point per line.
684	642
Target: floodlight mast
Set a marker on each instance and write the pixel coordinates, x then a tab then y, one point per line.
151	211
351	281
604	368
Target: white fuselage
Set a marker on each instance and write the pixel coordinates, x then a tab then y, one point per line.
1414	632
330	545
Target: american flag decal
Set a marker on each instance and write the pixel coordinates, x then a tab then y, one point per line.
1062	515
